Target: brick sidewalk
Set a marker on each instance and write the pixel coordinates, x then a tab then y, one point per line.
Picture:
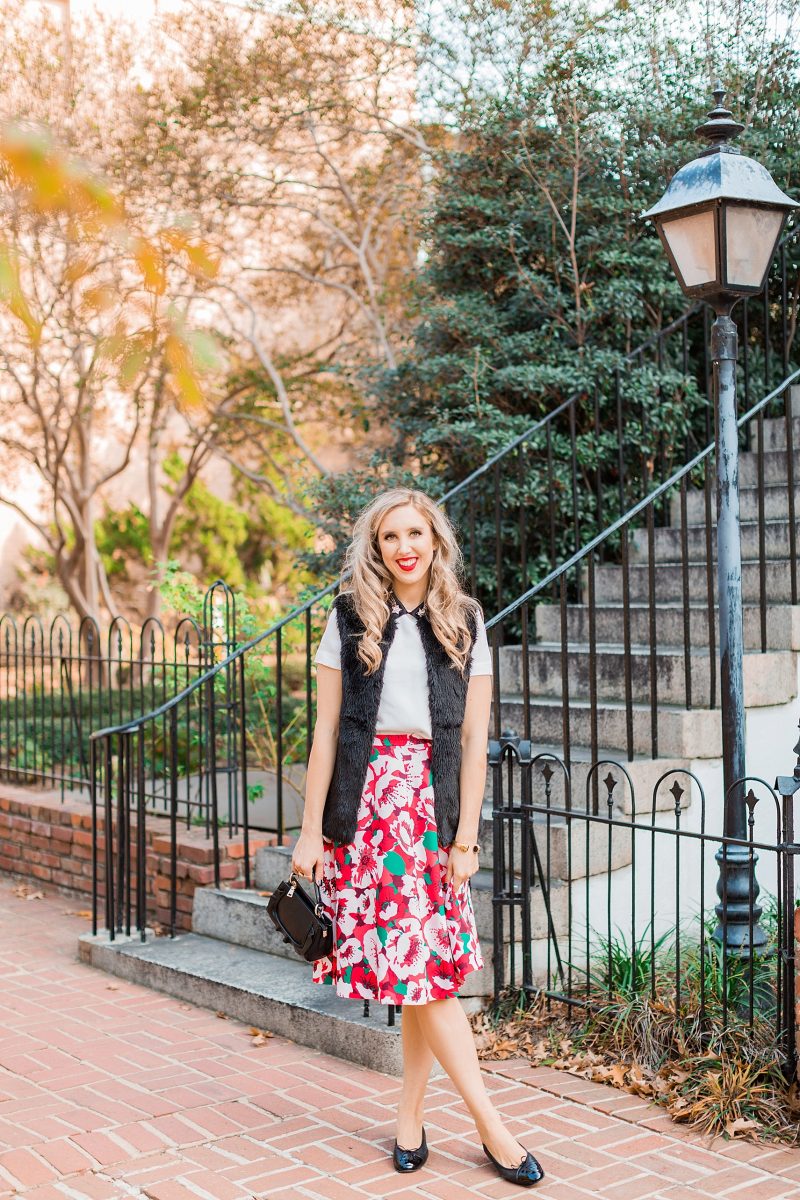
111	1092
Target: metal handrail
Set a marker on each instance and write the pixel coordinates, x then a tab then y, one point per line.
514	606
641	505
561	408
459	488
138	722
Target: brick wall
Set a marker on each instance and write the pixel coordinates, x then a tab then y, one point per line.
50	841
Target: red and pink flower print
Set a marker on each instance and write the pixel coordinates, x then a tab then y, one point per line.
401	934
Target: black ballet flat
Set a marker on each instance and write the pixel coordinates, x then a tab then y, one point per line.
410	1160
527	1173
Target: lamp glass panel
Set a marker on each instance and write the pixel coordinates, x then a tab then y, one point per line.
693	244
751	234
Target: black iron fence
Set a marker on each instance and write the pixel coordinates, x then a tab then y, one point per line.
60	680
612	897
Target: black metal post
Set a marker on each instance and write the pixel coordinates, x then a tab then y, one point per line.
788	786
737	889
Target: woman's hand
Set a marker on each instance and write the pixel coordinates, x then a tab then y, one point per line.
307	856
461	866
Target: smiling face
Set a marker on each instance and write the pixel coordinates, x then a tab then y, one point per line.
405	540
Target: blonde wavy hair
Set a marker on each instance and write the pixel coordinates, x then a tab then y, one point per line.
447	605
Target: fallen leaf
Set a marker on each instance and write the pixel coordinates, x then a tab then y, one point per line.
78	912
505	1048
260	1037
23	892
740	1125
617	1074
222	1016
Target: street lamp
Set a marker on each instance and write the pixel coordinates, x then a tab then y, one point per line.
719	221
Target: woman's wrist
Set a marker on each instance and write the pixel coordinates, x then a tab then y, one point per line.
466	835
466	846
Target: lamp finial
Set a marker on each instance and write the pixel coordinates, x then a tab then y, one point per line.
720	126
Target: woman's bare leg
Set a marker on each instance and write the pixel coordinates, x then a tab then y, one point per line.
448	1033
417	1063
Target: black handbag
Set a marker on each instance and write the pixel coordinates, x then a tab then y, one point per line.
304	924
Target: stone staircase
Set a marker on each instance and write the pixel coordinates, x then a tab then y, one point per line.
684	735
234	962
688	738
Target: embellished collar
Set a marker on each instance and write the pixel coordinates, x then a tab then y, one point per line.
396	606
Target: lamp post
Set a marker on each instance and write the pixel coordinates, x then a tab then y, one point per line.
719	221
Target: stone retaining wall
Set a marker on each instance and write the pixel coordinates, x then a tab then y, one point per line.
45	839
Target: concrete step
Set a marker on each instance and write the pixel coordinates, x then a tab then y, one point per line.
775	429
775	467
265	990
682	733
669	582
546	675
670	667
565	863
273	864
634	782
775	425
782	624
776	503
668	542
239	916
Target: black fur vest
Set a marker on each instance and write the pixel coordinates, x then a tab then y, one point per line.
361	693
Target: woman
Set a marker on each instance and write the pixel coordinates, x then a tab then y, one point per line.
394	787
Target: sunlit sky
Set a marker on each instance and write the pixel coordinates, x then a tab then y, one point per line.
133	10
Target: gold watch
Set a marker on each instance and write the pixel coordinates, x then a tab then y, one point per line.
465	846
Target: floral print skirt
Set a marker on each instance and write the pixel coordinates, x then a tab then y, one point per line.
402	935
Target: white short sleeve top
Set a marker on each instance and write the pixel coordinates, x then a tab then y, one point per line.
403	705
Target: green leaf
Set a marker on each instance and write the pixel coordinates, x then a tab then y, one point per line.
394	863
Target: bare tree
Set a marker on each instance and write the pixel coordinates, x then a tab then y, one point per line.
289	139
91	341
